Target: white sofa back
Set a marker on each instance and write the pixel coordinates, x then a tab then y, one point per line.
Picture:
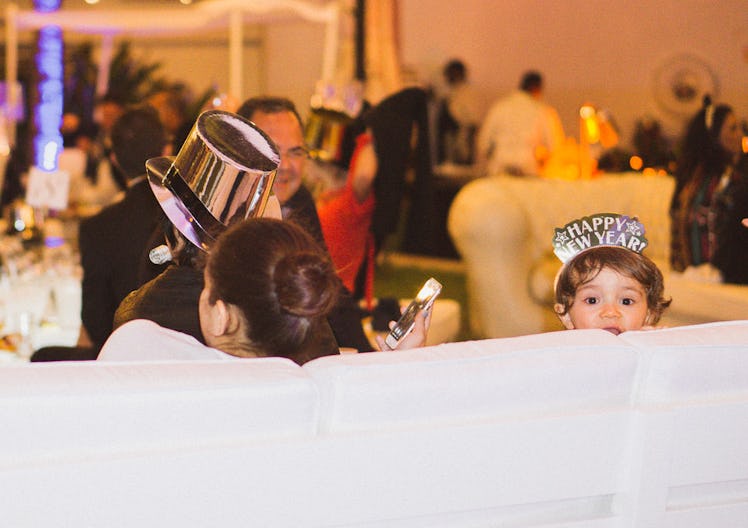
580	429
503	227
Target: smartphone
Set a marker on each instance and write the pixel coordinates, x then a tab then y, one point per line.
423	301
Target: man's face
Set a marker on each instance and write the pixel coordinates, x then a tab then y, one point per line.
285	131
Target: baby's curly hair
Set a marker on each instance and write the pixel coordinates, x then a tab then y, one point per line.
586	266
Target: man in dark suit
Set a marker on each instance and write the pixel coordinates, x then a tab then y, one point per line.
114	243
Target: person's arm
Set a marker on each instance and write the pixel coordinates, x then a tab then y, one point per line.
363	168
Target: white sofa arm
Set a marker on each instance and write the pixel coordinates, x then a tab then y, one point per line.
492	233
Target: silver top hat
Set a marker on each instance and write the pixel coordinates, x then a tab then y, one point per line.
223	173
324	134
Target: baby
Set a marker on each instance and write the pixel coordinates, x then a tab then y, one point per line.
605	281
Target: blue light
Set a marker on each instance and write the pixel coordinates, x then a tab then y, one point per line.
48	112
46	6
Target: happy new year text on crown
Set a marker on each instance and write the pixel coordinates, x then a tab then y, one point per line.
602	229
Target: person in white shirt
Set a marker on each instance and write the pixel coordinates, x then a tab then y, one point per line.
520	131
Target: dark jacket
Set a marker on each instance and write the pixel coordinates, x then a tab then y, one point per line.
112	246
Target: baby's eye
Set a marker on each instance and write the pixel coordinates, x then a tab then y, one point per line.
627	301
590	300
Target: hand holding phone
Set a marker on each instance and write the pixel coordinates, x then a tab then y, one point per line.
423	301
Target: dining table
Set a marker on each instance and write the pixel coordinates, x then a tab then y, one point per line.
40	289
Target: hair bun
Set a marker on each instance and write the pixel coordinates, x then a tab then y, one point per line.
305	284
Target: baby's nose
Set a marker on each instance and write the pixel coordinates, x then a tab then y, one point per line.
610	310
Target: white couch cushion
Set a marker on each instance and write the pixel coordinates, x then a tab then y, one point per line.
707	362
692	426
69	409
546	374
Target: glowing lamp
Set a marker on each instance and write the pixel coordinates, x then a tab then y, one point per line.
595	129
590	127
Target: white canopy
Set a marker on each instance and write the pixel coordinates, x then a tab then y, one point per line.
207	15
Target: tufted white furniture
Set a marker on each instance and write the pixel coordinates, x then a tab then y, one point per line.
578	429
503	227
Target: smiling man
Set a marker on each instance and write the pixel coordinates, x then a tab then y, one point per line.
278	118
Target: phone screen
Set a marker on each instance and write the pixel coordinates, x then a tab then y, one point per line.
423	301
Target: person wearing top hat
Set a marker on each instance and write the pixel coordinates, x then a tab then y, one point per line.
268	287
222	175
376	150
343	148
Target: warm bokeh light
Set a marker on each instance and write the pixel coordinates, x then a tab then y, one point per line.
636	163
649	171
745	144
590	126
587	112
92	2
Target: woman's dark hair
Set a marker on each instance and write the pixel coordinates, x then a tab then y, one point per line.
700	145
588	264
278	277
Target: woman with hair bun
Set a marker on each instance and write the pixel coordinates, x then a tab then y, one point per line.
269	287
711	195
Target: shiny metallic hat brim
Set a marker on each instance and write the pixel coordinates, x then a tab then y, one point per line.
223	173
175	209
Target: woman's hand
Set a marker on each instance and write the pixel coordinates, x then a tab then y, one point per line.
416	338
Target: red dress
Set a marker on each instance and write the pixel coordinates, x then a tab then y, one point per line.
345	226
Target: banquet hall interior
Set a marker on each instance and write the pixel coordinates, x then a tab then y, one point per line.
643	68
624	79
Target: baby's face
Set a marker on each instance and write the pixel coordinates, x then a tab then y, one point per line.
611	302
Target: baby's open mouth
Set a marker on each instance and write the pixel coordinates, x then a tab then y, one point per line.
612	330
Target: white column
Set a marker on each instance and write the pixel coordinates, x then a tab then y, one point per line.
330	53
236	44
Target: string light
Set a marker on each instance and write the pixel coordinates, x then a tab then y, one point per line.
48	111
